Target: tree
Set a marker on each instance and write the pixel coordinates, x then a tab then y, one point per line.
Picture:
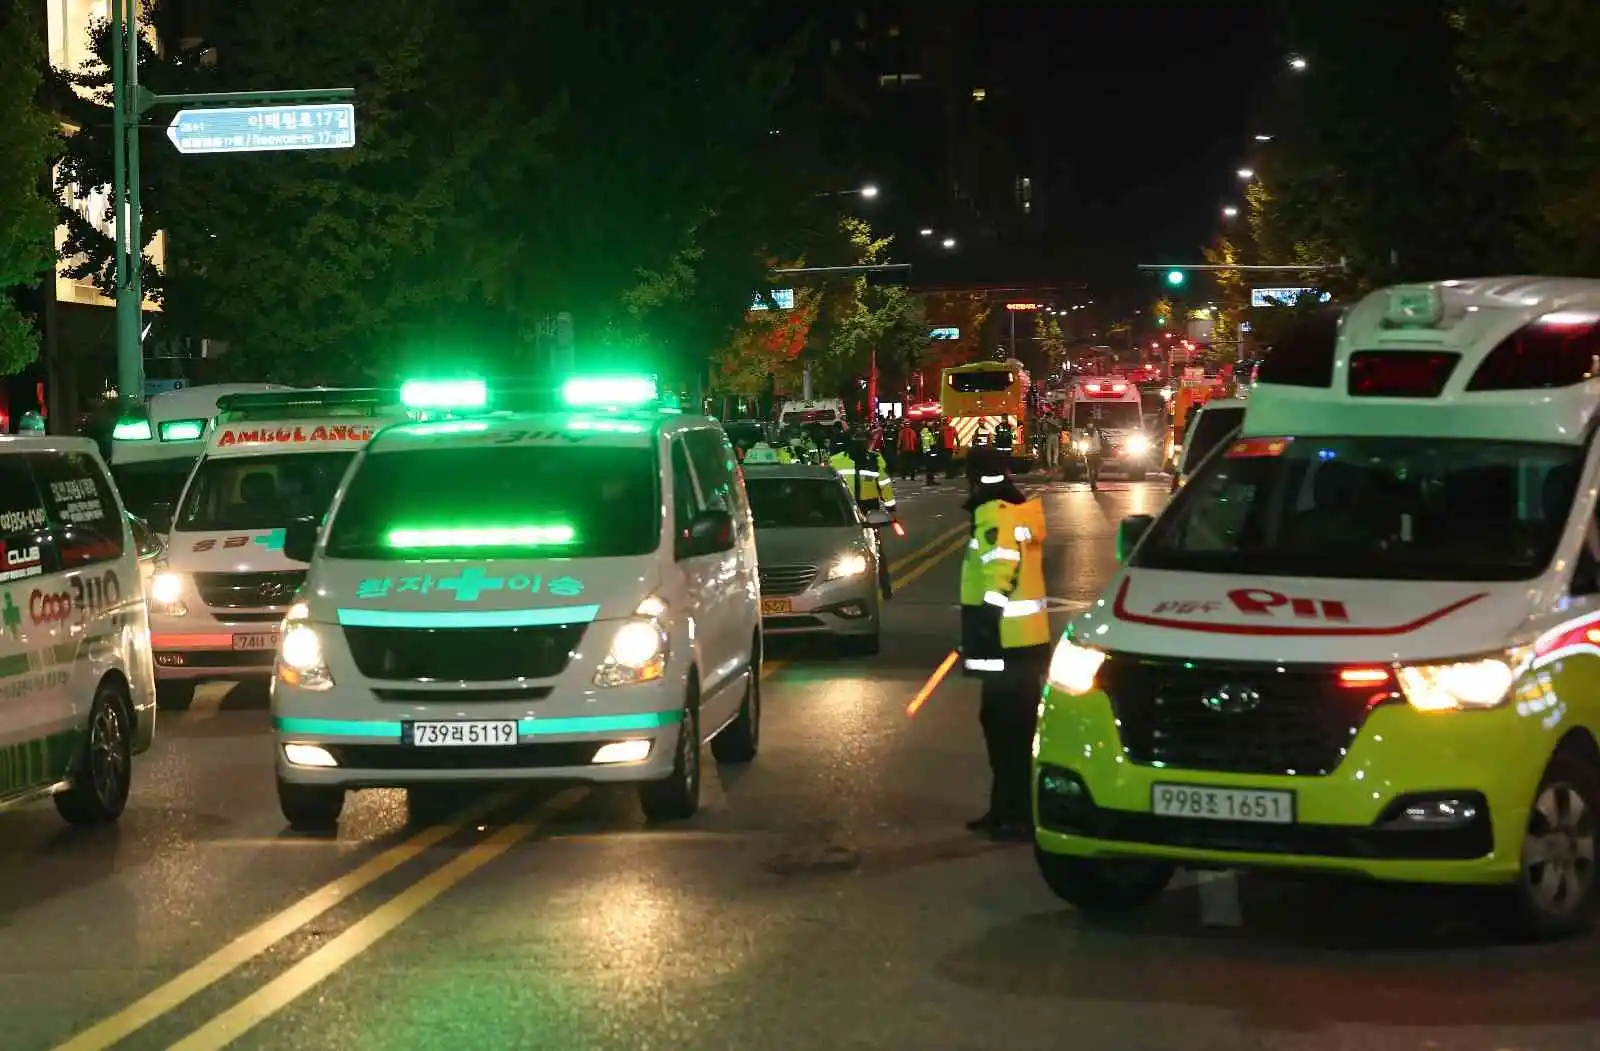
764	352
27	144
863	317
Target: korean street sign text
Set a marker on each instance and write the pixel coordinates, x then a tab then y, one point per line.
782	298
1284	297
255	129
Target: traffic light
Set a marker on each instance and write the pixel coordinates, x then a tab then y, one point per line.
1175	278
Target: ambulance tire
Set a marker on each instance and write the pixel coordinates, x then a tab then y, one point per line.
310	808
740	740
1557	898
677	796
102	774
1103	887
175	695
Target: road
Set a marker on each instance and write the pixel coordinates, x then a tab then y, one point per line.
827	897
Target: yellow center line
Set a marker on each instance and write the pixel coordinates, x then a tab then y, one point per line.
939	556
362	935
905	560
253	943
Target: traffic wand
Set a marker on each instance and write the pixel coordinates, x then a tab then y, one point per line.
932	684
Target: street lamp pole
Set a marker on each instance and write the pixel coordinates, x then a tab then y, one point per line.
128	268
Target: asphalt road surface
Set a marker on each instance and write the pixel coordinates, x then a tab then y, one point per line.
827	897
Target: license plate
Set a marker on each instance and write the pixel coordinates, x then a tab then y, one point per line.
486	733
1223	804
776	605
263	640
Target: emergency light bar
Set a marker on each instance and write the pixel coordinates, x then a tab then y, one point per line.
609	392
444	394
299	404
131	430
181	430
500	536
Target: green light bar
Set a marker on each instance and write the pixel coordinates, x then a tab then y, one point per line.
448	427
182	430
131	431
444	394
609	392
495	536
606	426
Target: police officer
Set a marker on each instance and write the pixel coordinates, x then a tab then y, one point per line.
1005	438
867	477
1005	634
930	455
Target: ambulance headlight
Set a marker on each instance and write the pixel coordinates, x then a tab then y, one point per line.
638	651
166	594
1460	685
1073	667
1081	445
1138	445
300	659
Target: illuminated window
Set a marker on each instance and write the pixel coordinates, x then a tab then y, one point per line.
979	94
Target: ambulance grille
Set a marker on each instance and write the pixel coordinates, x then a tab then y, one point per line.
249	590
786	580
1245	718
463	654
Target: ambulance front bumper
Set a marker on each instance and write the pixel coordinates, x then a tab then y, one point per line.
193	647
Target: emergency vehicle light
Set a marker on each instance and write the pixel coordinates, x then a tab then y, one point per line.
444	394
1559	349
609	392
1400	373
182	430
131	430
493	536
315	401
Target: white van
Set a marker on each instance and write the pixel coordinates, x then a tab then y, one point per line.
218	600
1115	406
153	453
77	698
1364	637
565	595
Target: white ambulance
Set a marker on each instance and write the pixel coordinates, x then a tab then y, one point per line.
1113	404
77	700
217	602
1364	638
562	595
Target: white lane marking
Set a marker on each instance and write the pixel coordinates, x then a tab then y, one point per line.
1219	899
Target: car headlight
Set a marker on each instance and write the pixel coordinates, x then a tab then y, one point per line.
1138	445
852	565
1073	667
638	651
1460	685
1081	445
300	658
166	594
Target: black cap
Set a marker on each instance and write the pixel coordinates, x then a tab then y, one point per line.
985	461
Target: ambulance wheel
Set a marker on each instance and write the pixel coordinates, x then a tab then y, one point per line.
1104	887
310	808
175	695
103	772
740	740
677	796
1554	895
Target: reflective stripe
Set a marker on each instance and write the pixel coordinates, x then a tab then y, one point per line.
1024	607
984	664
991	479
1023	534
973	543
1004	554
994	598
852	470
888	503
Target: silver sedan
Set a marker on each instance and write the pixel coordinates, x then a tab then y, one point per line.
818	556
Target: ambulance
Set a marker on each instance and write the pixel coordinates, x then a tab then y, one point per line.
218	599
1363	639
1116	407
556	595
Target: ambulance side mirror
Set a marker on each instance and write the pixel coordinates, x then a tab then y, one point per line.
1129	532
710	533
300	540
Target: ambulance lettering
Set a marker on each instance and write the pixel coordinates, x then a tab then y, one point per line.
1261	602
1187	607
45	608
340	432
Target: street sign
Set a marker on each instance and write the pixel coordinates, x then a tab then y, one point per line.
257	129
1022	306
945	333
154	387
783	298
1284	297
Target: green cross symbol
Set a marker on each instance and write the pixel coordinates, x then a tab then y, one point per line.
273	541
471	584
12	617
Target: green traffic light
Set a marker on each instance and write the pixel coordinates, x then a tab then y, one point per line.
1175	278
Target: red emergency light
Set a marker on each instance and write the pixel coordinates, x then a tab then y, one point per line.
923	410
1105	390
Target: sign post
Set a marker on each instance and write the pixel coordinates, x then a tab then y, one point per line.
230	130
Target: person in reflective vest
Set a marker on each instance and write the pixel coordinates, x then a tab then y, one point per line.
1005	634
867	477
761	452
930	456
1005	438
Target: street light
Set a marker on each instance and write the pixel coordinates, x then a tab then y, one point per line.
1298	63
926	231
869	191
949	242
1247	174
1263	138
1230	212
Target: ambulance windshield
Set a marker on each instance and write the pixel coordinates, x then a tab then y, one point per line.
1371	508
261	492
529	501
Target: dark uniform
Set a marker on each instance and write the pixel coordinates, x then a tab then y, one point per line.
1005	634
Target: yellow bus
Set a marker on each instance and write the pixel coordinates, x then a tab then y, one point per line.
978	396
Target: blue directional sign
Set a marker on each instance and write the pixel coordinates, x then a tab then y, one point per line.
782	298
257	129
945	333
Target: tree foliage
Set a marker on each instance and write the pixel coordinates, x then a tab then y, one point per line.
601	158
27	144
863	318
764	352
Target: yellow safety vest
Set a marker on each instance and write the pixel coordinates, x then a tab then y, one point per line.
1002	577
867	483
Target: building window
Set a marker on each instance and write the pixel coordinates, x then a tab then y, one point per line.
979	94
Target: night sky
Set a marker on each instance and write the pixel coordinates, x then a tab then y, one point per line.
1146	113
